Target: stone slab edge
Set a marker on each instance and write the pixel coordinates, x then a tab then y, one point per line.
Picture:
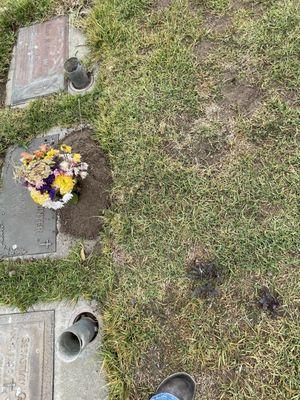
84	378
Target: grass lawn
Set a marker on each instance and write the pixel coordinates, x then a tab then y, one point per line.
196	107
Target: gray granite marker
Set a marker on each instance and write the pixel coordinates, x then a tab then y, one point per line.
26	356
25	228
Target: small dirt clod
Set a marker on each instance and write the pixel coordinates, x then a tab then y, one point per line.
268	301
209	275
205	291
204	270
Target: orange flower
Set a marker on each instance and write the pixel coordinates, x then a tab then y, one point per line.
27	156
39	153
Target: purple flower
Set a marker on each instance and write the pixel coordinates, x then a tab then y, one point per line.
52	193
50	179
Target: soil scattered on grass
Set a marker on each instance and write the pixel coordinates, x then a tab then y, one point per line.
205	291
204	270
83	220
207	273
268	301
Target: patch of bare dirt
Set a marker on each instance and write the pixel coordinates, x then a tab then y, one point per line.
196	148
256	9
217	24
204	49
269	210
240	97
146	49
83	220
201	152
208	384
161	4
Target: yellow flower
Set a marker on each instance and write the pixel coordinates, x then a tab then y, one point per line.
51	153
77	157
66	148
38	197
64	183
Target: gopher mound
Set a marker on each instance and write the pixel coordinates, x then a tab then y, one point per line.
83	220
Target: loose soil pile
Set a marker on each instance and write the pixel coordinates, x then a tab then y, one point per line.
83	220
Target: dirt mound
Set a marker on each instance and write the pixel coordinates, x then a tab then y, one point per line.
83	220
269	301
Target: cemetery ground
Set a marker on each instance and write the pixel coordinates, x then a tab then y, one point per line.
196	108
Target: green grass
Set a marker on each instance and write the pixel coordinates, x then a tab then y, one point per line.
274	41
237	205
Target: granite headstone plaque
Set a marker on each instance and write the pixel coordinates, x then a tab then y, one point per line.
39	60
26	356
25	228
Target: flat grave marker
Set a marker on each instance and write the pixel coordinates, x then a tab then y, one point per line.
26	356
39	60
25	228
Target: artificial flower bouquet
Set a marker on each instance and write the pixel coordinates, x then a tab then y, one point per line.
52	176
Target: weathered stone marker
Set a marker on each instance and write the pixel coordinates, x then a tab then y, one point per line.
26	356
39	60
25	228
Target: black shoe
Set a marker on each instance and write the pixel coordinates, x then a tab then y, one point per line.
180	385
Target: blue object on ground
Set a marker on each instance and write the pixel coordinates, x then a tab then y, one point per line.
164	396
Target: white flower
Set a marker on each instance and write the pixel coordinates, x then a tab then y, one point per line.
67	197
83	174
53	205
64	165
57	205
84	166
